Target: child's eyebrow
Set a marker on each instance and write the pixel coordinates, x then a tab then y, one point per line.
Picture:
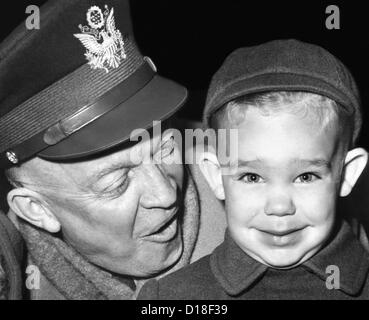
247	163
321	163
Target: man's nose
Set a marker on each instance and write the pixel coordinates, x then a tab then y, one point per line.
160	190
279	203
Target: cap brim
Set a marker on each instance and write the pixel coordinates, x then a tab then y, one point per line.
158	100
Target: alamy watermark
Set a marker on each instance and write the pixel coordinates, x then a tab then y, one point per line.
332	22
33	19
194	142
333	278
33	277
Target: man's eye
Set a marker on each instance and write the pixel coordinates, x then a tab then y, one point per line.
307	177
251	178
121	188
116	188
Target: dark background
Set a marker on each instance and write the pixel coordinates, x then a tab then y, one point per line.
188	41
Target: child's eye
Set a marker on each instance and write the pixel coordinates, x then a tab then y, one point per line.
307	177
251	178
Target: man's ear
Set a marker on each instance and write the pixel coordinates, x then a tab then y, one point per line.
30	206
210	168
355	163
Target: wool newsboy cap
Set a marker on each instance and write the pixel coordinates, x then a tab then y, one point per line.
78	85
284	65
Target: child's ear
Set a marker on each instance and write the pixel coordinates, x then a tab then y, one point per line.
355	163
211	169
30	206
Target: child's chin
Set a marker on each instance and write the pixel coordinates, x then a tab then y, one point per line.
284	260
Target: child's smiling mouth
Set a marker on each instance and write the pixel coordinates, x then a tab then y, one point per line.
281	237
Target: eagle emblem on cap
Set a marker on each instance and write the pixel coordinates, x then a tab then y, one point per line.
104	43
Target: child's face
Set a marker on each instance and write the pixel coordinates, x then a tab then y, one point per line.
280	199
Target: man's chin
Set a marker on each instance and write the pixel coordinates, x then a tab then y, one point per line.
154	258
172	256
160	258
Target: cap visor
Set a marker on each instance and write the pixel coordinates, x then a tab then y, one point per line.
158	100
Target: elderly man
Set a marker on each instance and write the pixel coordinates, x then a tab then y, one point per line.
98	213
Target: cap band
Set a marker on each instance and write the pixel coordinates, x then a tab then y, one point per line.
65	127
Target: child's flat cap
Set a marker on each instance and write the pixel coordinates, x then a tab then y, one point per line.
284	65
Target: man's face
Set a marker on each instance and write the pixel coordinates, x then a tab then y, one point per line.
119	214
280	198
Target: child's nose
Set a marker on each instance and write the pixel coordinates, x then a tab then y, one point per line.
280	204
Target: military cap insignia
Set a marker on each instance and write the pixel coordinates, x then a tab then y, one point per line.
104	43
12	157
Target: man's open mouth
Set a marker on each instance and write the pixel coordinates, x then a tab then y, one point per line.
165	232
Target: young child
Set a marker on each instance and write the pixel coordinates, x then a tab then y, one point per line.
297	112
